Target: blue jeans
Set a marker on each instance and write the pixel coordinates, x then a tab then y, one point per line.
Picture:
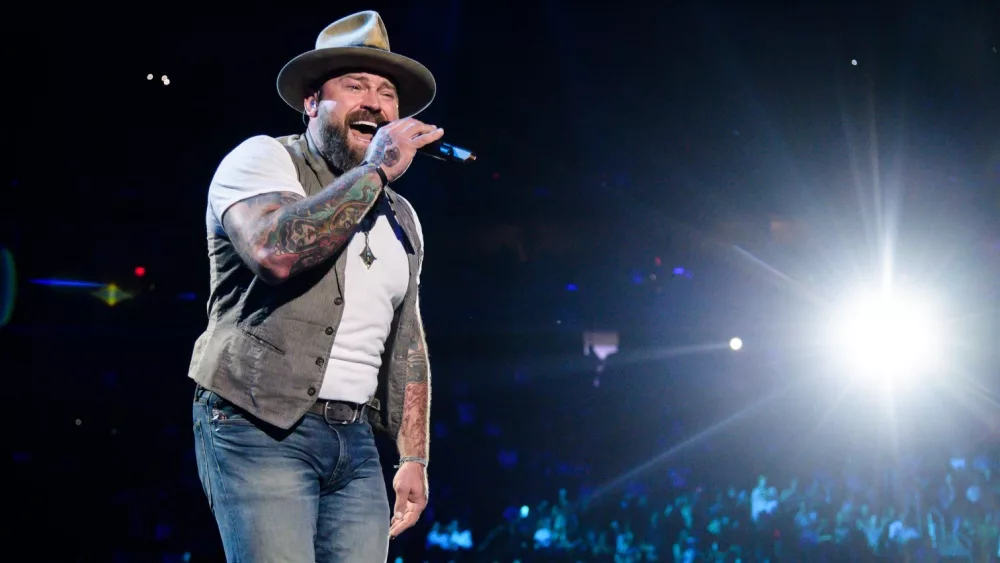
314	493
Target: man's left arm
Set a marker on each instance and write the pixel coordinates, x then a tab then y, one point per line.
414	433
413	441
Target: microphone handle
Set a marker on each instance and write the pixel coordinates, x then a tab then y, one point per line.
448	153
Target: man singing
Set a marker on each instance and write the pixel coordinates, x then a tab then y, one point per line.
314	333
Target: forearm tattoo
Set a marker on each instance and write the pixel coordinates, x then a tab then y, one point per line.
288	234
413	433
417	366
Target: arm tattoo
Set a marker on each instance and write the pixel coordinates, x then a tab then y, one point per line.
417	366
282	234
414	437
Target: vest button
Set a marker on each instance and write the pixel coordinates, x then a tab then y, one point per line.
338	301
319	361
311	391
329	330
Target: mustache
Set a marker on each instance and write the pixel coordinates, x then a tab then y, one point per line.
378	119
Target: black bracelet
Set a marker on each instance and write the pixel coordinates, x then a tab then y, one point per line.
381	174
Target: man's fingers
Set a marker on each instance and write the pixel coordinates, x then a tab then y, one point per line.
404	523
401	525
400	508
429	137
418	130
409	125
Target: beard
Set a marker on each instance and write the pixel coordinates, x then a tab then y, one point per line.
334	144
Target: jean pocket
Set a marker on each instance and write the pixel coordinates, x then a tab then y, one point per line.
225	413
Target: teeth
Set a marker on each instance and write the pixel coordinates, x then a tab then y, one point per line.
366	123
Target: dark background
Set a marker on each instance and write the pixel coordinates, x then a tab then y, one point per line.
617	142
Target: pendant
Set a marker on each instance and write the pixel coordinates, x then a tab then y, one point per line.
366	255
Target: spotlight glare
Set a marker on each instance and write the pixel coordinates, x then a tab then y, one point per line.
736	344
886	335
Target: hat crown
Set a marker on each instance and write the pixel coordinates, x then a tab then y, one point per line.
358	41
363	29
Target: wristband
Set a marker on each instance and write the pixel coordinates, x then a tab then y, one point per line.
415	459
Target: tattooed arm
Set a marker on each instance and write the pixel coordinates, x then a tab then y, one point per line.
414	433
280	234
410	483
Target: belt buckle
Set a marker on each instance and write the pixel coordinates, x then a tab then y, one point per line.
326	415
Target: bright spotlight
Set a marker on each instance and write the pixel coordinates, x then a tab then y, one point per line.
736	344
886	335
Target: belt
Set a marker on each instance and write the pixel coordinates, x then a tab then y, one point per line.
340	412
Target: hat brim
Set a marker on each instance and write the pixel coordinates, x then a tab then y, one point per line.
414	82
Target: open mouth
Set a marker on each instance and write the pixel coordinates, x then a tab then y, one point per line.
363	130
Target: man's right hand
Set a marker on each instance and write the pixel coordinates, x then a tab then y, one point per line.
395	144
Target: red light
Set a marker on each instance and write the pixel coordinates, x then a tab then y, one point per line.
140	271
657	261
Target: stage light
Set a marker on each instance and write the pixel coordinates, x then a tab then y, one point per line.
140	271
8	286
885	334
67	283
601	343
736	344
111	294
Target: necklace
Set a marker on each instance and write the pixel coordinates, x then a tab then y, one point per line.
366	255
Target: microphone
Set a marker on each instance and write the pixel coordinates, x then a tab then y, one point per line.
448	153
443	151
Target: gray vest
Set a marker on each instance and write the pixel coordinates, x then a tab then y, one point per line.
265	348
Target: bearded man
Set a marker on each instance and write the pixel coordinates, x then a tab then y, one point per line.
314	336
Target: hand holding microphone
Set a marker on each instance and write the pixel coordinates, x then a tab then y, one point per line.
396	143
